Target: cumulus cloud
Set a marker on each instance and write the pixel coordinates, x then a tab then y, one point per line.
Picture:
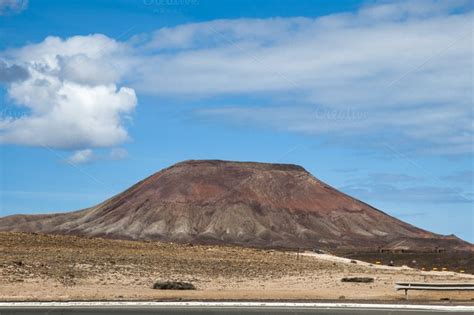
72	96
391	72
12	73
12	6
88	155
81	157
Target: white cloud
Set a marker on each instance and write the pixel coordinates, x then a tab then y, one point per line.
71	95
118	154
394	70
405	65
11	73
335	60
88	156
81	157
429	129
12	6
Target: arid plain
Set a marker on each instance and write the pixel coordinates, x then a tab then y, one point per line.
38	267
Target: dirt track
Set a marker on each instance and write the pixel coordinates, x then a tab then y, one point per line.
46	267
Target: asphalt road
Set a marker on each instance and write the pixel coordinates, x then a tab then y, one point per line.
180	308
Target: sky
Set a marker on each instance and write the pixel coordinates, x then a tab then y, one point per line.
373	97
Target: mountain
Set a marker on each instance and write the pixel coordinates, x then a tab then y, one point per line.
243	203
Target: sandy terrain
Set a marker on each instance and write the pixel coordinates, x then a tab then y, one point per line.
41	267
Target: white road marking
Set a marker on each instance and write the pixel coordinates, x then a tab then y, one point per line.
452	308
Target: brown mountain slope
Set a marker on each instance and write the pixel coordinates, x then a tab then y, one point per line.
244	203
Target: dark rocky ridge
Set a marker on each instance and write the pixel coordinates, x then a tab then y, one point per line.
242	203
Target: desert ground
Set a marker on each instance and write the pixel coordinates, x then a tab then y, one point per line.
36	267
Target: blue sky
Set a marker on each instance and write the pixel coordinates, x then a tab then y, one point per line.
373	97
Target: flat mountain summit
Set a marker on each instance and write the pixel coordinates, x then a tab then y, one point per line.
242	203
